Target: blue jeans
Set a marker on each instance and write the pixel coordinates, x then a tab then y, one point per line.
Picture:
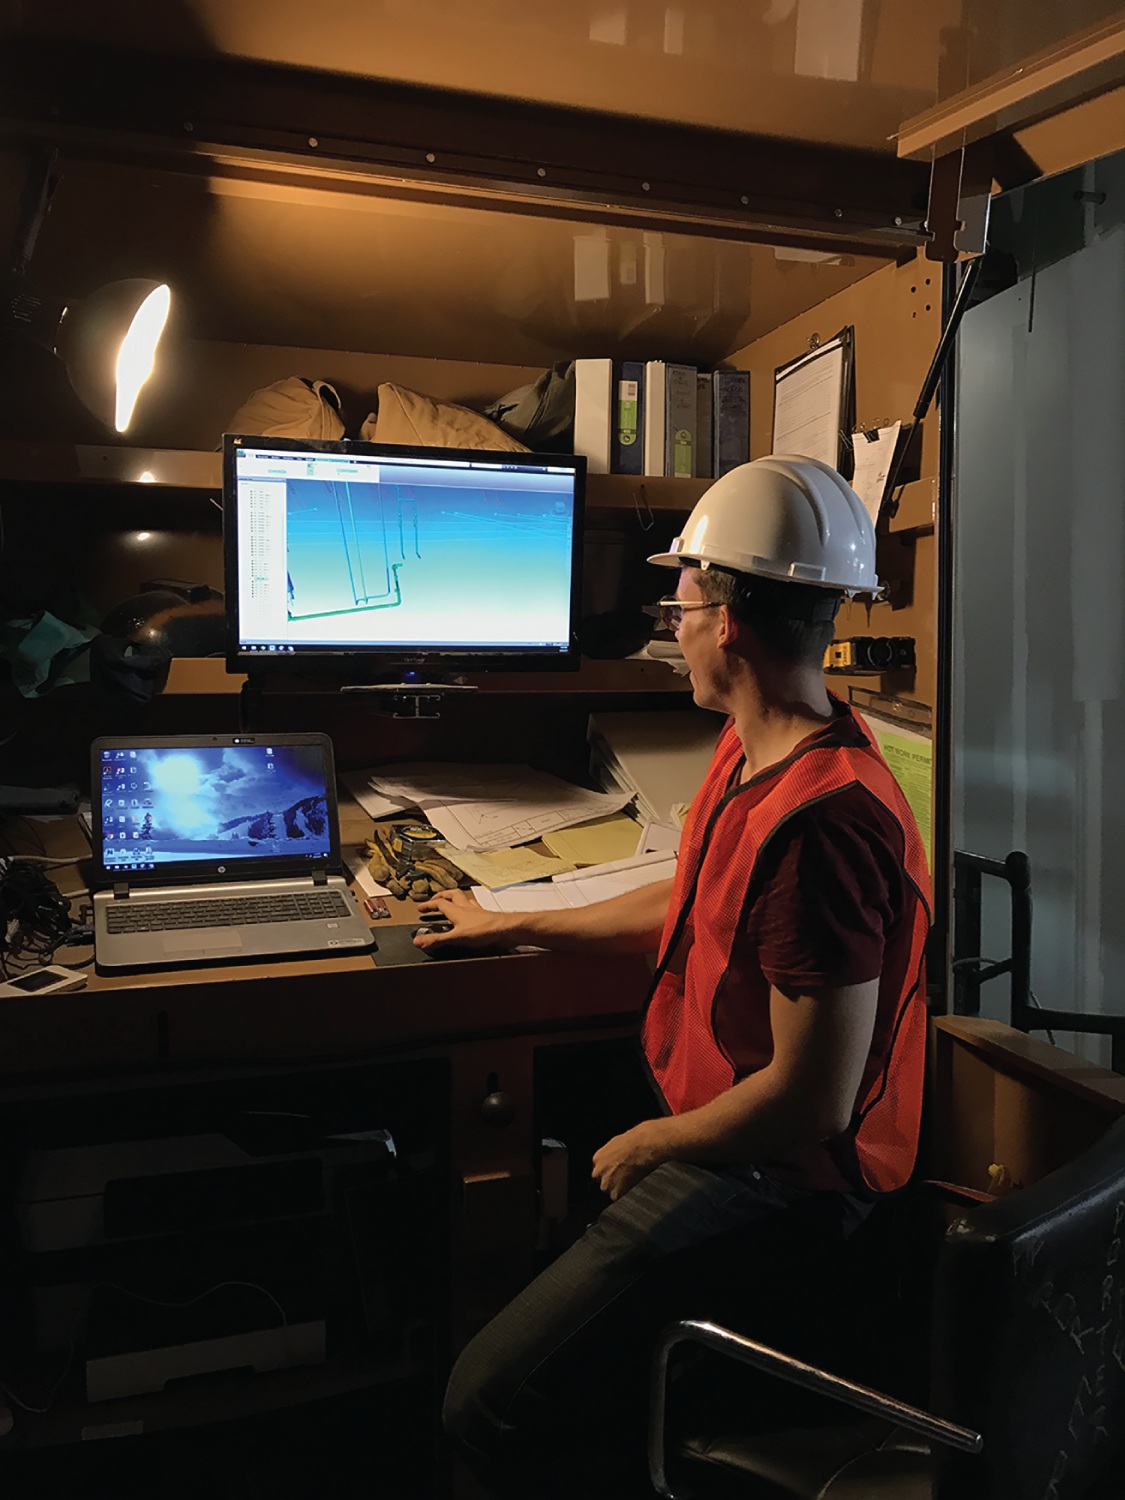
551	1397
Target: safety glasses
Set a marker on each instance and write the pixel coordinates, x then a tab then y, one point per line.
670	612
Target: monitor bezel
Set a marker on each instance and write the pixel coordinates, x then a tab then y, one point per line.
374	662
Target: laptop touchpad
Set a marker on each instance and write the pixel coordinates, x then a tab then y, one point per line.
212	942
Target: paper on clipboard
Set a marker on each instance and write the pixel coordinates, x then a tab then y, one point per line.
809	402
874	455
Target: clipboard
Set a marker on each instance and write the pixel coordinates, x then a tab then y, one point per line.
814	403
878	455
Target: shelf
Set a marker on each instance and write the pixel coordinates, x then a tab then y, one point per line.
70	463
207	674
636	491
204	1401
192	469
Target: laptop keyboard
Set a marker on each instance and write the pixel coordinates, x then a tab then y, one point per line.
235	911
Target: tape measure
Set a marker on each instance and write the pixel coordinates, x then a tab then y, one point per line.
417	840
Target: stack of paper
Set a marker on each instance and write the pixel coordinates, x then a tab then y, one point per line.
374	804
615	837
505	866
665	651
489	807
581	887
660	758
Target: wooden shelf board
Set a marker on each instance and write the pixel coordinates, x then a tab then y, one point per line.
208	675
73	463
205	1402
1025	1055
70	463
637	492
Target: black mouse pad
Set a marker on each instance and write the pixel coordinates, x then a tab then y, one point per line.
395	945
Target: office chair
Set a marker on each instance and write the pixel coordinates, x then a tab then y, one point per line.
1026	1372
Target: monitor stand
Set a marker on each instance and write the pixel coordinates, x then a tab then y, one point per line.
412	698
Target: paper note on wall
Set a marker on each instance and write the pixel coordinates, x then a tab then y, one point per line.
911	759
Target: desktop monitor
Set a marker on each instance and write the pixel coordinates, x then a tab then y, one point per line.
380	559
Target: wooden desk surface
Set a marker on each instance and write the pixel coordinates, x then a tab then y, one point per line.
299	1010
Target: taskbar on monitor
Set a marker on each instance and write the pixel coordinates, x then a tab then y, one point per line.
452	648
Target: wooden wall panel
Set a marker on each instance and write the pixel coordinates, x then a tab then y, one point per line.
896	313
1000	1097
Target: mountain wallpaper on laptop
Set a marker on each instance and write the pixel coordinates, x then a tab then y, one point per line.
162	806
305	819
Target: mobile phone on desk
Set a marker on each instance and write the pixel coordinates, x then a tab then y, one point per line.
51	979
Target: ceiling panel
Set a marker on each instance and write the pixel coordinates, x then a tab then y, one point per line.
828	71
995	35
259	262
844	71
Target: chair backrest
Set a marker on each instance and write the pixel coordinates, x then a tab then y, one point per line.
1029	1333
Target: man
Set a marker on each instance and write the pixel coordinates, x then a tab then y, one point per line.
785	1027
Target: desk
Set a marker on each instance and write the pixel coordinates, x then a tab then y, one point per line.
479	1020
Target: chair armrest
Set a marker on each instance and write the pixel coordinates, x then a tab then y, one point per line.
955	1192
773	1362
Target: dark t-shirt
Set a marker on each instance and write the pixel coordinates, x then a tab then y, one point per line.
832	907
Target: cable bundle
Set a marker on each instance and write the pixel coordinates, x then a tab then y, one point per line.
34	914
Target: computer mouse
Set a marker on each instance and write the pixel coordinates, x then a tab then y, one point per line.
452	950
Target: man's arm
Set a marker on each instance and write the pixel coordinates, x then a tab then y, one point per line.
803	1096
630	923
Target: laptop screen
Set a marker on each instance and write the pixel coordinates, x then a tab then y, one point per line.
226	802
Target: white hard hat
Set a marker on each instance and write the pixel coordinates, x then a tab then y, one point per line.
793	519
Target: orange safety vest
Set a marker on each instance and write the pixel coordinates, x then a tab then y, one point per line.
720	851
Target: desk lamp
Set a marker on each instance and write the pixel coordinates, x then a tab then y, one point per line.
107	341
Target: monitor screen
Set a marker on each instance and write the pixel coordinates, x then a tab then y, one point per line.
410	557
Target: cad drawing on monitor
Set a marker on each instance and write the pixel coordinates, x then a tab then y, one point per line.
438	556
339	541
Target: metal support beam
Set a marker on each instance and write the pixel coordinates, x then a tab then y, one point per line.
361	134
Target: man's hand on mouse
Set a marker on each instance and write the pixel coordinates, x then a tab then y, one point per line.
470	926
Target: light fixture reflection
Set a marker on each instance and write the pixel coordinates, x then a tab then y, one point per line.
108	343
138	351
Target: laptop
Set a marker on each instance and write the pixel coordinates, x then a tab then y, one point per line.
217	847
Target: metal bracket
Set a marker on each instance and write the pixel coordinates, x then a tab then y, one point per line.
960	199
